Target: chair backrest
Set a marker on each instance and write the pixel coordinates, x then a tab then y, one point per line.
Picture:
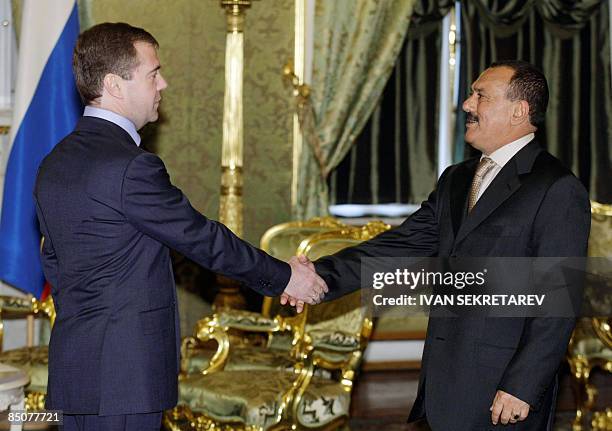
282	241
326	243
600	245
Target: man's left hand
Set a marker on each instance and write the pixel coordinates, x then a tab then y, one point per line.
508	409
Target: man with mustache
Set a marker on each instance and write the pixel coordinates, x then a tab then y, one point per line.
515	200
109	215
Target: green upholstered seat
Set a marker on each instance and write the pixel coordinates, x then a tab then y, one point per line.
253	397
250	397
241	358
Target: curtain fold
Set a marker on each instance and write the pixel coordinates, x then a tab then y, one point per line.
396	150
355	47
569	42
394	157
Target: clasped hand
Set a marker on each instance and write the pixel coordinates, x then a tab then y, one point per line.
304	286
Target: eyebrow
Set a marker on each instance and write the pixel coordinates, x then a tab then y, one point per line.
154	70
478	89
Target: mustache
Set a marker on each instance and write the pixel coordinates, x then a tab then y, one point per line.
471	118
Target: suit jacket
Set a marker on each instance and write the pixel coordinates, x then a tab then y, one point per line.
109	215
534	207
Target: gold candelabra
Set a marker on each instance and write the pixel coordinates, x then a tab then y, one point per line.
231	208
230	205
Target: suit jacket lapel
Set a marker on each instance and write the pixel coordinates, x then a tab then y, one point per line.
460	191
505	184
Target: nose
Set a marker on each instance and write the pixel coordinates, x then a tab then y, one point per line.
468	103
161	82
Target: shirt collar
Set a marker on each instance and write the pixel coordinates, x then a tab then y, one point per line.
502	155
119	120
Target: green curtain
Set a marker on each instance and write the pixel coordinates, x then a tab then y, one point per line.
356	43
395	156
421	62
569	41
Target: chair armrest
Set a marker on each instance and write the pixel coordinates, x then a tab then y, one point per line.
339	350
207	329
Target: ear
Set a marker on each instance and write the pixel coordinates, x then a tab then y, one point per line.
113	85
520	112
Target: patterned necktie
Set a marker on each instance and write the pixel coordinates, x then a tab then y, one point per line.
484	166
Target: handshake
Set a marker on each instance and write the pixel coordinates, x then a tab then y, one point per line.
304	286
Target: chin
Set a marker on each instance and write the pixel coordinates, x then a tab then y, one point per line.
472	143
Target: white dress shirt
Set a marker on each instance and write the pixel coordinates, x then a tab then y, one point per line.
119	120
500	157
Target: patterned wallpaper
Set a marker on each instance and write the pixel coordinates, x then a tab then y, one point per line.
191	34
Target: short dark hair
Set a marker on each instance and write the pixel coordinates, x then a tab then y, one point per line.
106	48
528	83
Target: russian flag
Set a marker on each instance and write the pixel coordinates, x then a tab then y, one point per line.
46	109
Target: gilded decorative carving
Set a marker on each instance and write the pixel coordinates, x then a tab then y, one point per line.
591	341
602	421
230	204
363	233
35	401
316	222
603	329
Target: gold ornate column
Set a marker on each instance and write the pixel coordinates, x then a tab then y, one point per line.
230	205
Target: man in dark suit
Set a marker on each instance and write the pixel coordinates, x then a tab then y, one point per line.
109	215
516	200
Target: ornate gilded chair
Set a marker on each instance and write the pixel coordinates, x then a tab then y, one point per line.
255	399
253	351
591	343
31	359
311	391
